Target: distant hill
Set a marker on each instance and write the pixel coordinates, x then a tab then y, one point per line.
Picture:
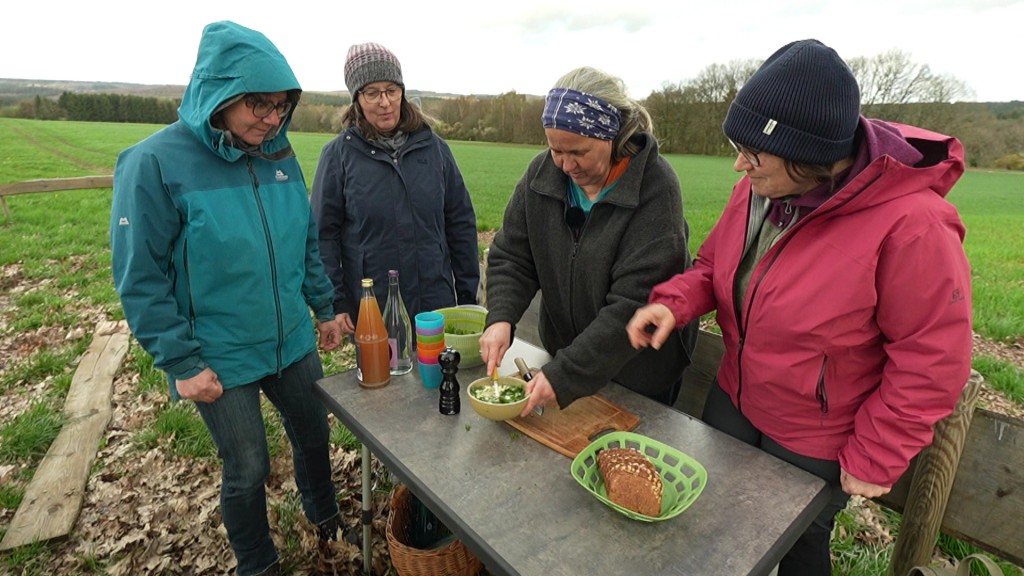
13	90
19	89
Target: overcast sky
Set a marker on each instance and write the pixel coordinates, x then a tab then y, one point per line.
496	46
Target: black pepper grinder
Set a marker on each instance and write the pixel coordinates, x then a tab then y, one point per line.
449	403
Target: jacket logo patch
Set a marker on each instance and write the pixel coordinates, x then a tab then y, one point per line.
958	296
123	221
281	176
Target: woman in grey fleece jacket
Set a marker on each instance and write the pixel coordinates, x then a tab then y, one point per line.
595	222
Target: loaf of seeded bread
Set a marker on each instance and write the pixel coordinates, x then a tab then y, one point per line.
631	480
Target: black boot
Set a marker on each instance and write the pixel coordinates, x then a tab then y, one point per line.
328	530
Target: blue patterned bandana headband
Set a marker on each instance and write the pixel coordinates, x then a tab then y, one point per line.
581	113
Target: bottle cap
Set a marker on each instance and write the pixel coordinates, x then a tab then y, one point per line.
392	273
367	282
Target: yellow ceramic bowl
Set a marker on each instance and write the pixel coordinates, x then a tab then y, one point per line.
495	411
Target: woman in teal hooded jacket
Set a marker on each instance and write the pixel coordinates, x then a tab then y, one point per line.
216	262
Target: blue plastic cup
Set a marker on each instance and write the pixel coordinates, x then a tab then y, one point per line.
430	374
429	323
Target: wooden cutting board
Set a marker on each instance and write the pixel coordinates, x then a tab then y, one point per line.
571	430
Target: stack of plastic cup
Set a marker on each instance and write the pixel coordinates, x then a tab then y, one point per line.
429	344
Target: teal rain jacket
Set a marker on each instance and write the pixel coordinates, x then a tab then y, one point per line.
215	253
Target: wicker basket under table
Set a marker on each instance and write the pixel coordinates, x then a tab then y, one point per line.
451	560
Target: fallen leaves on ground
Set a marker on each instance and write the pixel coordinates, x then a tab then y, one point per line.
150	512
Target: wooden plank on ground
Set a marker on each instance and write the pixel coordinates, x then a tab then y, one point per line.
53	500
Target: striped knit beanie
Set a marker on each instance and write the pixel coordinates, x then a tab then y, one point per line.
802	104
368	63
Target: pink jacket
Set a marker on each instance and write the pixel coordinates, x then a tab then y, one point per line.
857	333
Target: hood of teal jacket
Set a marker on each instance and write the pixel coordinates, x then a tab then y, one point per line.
234	60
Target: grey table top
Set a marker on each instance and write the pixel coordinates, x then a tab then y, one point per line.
516	505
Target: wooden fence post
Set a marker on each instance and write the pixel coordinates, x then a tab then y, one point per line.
932	483
50	185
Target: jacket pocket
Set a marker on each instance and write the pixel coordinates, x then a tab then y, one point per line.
821	392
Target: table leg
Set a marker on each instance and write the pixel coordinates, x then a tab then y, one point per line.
367	509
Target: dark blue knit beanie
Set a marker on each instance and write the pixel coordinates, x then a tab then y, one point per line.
802	104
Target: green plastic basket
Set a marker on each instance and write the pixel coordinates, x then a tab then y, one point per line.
469	319
682	477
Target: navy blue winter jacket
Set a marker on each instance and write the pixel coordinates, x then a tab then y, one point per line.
410	213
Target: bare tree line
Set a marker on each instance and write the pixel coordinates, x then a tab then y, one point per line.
893	87
688	116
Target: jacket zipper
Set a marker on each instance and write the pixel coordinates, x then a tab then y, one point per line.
273	264
191	300
577	236
742	320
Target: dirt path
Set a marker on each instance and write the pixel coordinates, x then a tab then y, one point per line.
50	150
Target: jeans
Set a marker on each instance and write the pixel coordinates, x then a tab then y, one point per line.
236	425
809	555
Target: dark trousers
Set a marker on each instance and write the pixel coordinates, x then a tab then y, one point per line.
810	555
235	422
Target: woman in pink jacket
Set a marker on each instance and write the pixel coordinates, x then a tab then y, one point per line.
840	282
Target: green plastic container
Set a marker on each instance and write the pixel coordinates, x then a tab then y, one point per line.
468	321
682	477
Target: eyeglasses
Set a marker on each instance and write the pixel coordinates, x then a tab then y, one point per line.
261	107
373	94
750	154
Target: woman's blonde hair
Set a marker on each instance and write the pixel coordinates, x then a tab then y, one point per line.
611	89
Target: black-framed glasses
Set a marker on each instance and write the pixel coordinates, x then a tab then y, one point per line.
393	93
261	107
750	154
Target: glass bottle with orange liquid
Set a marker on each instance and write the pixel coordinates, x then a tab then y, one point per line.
372	351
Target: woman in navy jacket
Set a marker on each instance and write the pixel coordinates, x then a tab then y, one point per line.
388	195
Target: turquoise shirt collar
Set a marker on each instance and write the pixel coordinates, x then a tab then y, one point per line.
579	197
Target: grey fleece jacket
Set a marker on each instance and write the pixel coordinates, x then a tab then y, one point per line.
634	238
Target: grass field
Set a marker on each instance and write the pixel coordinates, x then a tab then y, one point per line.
991	203
58	244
